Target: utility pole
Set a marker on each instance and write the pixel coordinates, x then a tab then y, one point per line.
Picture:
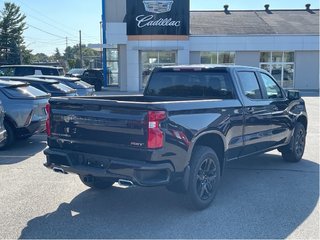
66	42
101	47
104	41
80	49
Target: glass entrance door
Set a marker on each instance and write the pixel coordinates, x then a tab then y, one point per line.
152	59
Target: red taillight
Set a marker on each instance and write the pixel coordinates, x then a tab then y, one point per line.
155	135
48	110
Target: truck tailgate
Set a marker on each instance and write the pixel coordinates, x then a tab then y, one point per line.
105	129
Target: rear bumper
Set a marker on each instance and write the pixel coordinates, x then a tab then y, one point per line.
34	127
141	173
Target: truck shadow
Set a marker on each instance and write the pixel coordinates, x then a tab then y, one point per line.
23	149
260	197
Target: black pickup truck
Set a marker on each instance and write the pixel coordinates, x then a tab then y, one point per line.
179	133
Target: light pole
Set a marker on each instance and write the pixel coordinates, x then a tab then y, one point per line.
80	45
104	41
101	54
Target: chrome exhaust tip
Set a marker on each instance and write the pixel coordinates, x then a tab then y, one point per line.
125	183
59	170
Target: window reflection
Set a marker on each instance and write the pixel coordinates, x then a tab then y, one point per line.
152	59
227	58
280	65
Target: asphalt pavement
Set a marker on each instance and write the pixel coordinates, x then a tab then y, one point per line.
260	197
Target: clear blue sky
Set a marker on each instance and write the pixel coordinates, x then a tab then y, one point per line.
58	19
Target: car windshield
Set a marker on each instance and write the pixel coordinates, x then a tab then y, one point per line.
77	84
84	84
22	92
58	87
76	71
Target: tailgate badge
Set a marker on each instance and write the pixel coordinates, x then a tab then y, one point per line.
136	144
69	118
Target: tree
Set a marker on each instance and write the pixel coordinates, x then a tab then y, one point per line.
12	26
26	55
57	56
40	57
72	56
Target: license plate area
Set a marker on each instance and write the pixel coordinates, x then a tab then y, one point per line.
93	161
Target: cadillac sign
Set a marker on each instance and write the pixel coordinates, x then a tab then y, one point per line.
157	17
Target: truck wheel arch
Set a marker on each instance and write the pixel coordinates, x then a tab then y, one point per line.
303	120
9	120
213	139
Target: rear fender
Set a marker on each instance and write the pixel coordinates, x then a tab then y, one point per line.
195	140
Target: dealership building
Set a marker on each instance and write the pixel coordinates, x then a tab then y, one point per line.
139	35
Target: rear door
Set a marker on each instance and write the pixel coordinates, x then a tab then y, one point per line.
257	135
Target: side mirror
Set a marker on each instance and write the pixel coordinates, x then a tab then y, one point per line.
293	95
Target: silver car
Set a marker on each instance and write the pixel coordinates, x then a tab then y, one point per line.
25	110
82	88
2	129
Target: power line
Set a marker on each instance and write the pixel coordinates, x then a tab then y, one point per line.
40	13
44	31
41	39
46	42
88	38
56	22
49	24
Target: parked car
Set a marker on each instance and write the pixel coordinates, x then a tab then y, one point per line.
54	87
91	76
179	133
75	72
3	132
82	88
26	70
24	108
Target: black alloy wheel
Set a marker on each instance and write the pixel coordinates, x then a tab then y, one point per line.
295	150
204	177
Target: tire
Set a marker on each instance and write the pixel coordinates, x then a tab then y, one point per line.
10	136
294	151
204	177
96	182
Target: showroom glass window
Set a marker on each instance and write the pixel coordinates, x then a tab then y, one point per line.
152	59
113	66
227	58
280	65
